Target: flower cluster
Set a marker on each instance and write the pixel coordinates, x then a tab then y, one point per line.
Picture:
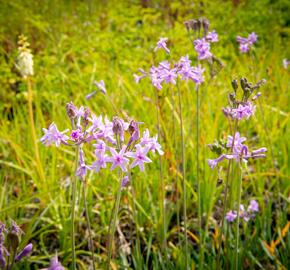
24	61
164	73
11	245
234	147
252	210
238	151
247	43
202	45
116	142
243	108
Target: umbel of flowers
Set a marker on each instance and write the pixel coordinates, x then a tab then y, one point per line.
9	246
117	142
238	110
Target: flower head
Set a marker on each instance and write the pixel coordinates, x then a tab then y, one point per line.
162	44
101	86
140	157
231	216
212	36
53	136
118	159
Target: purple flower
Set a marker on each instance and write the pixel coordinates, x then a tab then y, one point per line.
134	132
243	214
252	38
55	264
76	135
137	78
101	162
101	86
25	252
83	168
231	216
125	181
213	162
97	123
238	141
139	157
161	44
253	206
151	142
247	43
53	136
212	36
202	48
118	159
243	111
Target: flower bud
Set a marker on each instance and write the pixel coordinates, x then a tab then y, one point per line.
71	110
117	126
86	116
243	83
205	25
235	85
12	241
25	252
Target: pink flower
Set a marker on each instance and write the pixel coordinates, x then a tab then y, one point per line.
162	44
53	136
212	36
139	157
118	159
231	216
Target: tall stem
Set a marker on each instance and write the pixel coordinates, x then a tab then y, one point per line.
73	206
225	198
183	176
91	244
32	128
237	250
112	228
164	242
198	179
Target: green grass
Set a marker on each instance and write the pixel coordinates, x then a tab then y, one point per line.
75	43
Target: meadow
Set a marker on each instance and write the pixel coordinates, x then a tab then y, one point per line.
183	211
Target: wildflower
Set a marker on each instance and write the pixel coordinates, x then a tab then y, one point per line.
212	36
97	122
253	206
24	61
53	136
139	157
162	44
231	216
55	264
101	86
247	43
134	131
24	253
243	213
118	159
83	168
76	135
139	77
238	140
202	48
243	111
101	162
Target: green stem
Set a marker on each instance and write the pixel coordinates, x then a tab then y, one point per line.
91	244
33	132
183	176
237	250
226	197
112	228
164	242
73	206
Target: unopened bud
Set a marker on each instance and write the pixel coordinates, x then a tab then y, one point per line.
235	85
205	25
243	83
25	252
71	110
86	116
12	241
